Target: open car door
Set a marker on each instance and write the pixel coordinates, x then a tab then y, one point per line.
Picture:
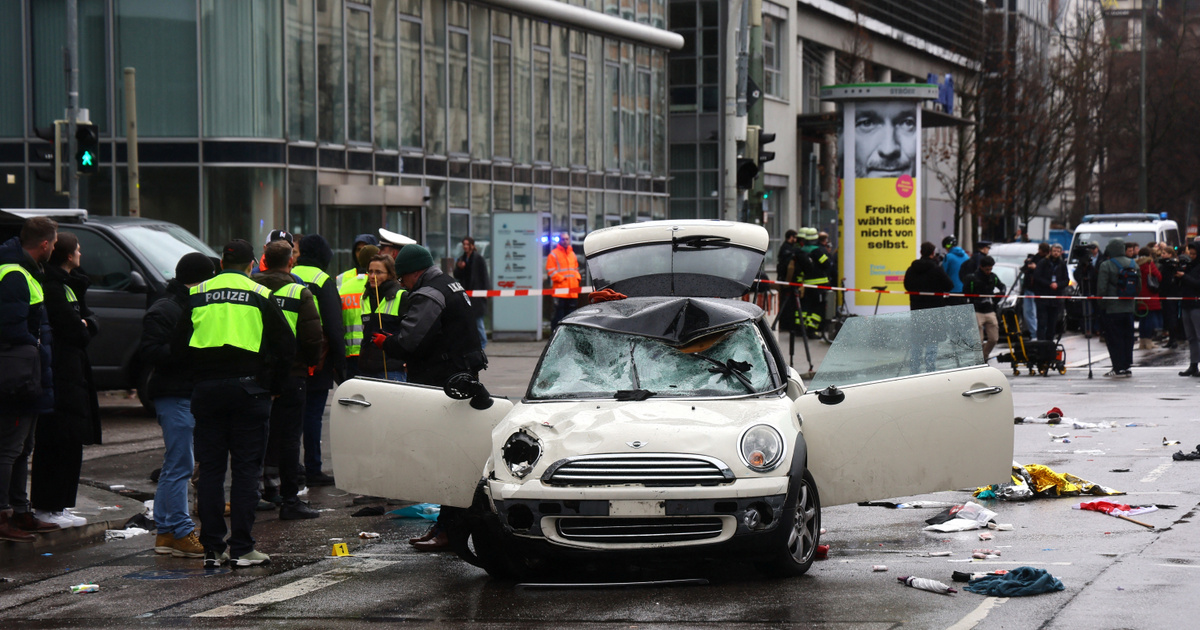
915	409
410	442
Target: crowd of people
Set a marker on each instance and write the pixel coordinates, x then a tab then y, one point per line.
244	351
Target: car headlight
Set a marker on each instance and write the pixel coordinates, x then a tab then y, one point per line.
761	448
520	453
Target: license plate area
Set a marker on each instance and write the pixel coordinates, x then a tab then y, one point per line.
637	508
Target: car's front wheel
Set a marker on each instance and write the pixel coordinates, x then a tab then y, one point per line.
795	544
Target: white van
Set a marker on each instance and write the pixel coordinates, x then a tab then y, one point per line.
1143	229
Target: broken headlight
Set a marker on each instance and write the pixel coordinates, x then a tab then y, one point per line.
761	448
520	453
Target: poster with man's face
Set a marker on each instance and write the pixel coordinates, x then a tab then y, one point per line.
885	139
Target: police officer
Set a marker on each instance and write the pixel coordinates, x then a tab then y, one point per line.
282	461
315	256
239	347
437	338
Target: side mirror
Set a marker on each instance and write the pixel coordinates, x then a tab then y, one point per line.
137	282
462	386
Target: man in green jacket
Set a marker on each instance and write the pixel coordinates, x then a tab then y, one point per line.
1113	279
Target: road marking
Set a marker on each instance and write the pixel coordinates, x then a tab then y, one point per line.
974	617
1156	473
295	589
1179	566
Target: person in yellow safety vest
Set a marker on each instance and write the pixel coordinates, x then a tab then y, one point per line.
384	303
563	268
314	259
812	301
281	466
25	338
350	291
239	346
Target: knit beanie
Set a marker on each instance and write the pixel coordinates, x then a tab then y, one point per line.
194	267
364	256
413	258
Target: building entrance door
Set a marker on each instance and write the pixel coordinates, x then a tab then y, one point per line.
349	210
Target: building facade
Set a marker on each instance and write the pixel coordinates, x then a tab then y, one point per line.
342	116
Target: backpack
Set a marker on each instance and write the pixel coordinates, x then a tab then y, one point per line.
1127	281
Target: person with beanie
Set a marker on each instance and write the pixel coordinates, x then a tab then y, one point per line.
437	338
314	259
170	387
1116	316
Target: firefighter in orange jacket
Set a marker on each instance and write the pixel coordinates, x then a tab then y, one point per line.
563	268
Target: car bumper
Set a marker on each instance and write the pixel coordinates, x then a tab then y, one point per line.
630	518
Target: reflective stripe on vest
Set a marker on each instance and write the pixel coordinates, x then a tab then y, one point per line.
390	306
312	277
344	276
351	292
70	294
35	288
228	315
288	299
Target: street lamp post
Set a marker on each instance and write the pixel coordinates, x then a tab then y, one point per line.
1142	186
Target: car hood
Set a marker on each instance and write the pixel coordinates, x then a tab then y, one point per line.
701	427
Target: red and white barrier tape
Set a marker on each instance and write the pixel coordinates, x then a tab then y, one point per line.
970	295
527	292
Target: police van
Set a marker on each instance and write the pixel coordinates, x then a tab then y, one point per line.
1143	229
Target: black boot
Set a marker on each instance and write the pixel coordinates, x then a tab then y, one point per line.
1192	370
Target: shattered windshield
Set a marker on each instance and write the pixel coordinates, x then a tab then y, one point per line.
901	344
584	362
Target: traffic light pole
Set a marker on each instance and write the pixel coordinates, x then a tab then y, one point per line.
72	68
754	116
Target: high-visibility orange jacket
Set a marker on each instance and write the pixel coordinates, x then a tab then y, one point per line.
563	268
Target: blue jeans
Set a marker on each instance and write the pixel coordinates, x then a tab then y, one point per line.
314	411
482	333
171	498
1029	310
1150	324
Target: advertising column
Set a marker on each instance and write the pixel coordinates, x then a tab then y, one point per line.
880	158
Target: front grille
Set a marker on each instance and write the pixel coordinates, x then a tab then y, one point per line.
648	469
639	530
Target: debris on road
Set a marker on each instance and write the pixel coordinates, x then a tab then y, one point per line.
85	588
1181	456
879	567
121	534
427	511
1118	510
1019	582
372	510
895	505
961	518
984	554
821	553
1119	470
1038	481
963	576
1167	442
368	535
925	584
986	536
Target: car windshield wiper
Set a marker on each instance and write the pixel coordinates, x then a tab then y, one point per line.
700	241
731	367
633	394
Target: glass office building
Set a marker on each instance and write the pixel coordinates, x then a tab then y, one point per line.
339	116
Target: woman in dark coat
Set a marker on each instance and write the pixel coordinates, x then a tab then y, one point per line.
382	289
75	421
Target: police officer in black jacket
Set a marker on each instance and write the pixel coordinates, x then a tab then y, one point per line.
437	339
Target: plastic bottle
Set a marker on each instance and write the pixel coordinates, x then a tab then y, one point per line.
85	588
925	584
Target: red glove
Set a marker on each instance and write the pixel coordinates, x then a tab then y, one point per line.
605	295
379	338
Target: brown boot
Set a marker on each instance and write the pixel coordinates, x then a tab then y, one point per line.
30	523
10	532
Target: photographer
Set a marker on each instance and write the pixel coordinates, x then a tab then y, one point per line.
1168	264
1050	279
1085	280
1028	304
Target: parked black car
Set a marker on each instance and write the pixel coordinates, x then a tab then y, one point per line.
129	261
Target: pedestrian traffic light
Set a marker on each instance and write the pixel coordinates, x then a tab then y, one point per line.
52	154
747	165
763	140
87	152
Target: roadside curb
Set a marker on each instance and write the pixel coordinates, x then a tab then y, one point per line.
90	499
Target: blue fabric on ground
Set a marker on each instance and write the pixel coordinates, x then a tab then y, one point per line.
428	511
1016	583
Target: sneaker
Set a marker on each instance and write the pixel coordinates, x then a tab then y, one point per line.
79	521
213	561
187	547
296	510
319	479
1124	374
54	517
264	506
251	558
1111	374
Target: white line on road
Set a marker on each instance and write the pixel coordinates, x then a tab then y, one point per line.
295	589
975	616
1180	566
1156	473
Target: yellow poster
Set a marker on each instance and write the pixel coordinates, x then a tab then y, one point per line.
885	236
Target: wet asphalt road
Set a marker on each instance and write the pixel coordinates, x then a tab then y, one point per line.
1117	574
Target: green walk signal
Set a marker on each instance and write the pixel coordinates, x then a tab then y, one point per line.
87	138
86	159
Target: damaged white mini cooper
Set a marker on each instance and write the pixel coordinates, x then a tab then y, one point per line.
669	422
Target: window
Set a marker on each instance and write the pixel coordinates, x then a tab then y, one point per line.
242	203
12	114
481	89
501	94
522	103
103	263
811	77
358	71
386	113
410	83
773	50
300	40
159	39
331	77
435	78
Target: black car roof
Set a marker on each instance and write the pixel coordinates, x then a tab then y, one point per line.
675	320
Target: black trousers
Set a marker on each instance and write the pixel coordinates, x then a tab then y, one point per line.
283	438
54	480
231	431
1118	336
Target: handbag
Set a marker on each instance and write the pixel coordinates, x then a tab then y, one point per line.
1152	282
20	374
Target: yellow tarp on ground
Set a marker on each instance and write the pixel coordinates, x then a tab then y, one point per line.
1045	482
